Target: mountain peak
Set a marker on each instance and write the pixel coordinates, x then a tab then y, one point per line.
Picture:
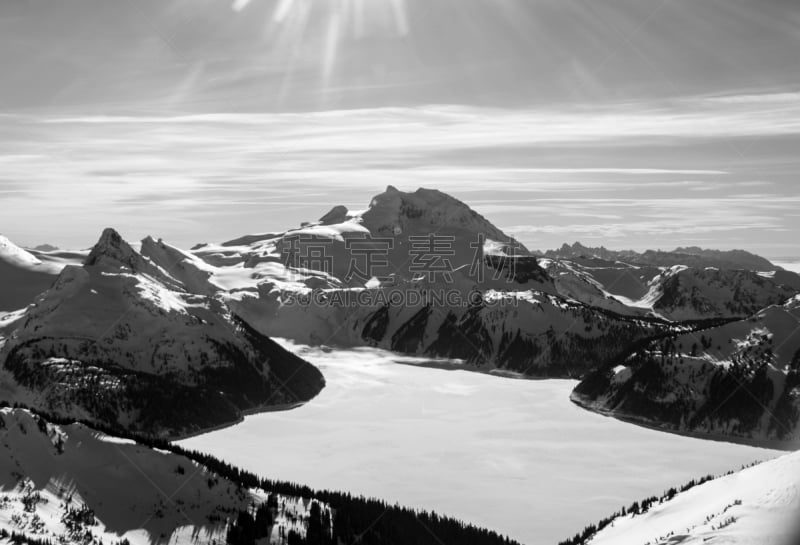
337	214
112	250
426	211
45	248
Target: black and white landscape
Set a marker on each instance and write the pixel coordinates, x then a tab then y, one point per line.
399	272
396	397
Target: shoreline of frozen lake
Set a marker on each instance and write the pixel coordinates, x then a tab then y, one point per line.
512	455
793	266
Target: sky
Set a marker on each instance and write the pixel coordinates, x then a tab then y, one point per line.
627	123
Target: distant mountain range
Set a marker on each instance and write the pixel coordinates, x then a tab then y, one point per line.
690	256
160	341
419	273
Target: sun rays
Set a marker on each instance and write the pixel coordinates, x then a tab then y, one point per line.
334	23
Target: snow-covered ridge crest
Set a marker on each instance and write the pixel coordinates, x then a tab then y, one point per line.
128	336
755	506
113	254
24	274
192	272
12	253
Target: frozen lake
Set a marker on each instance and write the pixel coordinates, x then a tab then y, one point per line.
512	455
793	266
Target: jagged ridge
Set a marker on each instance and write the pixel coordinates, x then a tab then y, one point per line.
121	341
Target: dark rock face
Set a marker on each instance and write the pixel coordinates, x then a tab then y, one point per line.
338	214
552	339
427	211
111	247
737	379
717	293
520	270
124	343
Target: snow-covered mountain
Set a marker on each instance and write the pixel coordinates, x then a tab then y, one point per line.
757	505
497	308
688	257
425	236
22	276
121	340
419	273
539	316
68	483
25	273
400	215
612	285
681	293
740	379
72	484
530	333
675	293
686	284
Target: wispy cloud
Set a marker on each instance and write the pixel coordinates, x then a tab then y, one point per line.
460	126
792	97
558	172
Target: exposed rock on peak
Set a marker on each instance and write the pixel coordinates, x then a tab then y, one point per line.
338	214
113	250
112	253
425	211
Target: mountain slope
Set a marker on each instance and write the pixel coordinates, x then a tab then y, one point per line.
614	286
67	482
741	379
529	333
63	482
755	506
119	340
689	293
22	276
